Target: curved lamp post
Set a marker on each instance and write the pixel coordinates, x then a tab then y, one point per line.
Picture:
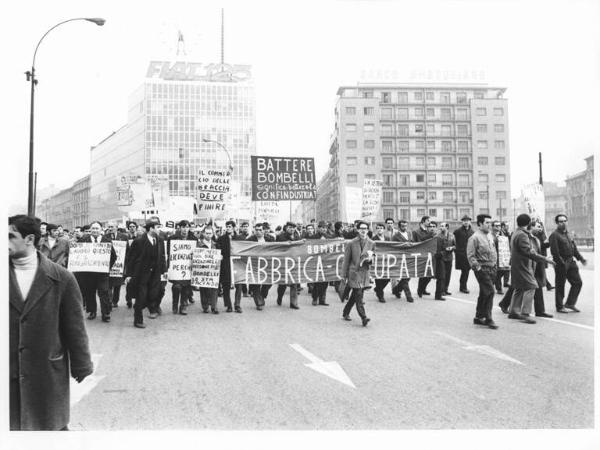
31	77
223	147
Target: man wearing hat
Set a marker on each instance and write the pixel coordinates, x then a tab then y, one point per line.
144	268
461	236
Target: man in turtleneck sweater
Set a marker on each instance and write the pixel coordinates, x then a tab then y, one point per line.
46	333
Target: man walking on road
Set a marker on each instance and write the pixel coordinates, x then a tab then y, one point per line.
380	283
403	235
565	253
288	234
461	236
424	232
47	333
357	259
481	255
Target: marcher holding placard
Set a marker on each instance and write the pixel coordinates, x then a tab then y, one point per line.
90	282
181	288
208	296
115	282
224	243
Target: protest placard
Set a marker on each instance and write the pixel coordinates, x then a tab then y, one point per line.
89	257
206	267
120	249
353	198
503	253
180	260
371	199
211	189
282	178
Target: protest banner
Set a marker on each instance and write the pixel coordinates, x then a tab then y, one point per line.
353	199
211	189
206	267
180	260
371	199
322	260
120	249
503	252
281	178
534	200
89	257
267	211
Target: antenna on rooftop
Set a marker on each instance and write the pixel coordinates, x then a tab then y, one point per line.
180	43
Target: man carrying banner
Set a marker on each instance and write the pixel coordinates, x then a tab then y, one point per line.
90	282
461	236
181	290
319	289
259	292
115	282
144	268
403	235
481	255
289	234
358	256
381	283
445	248
208	295
424	232
224	243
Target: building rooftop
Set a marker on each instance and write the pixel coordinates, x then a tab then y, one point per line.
422	85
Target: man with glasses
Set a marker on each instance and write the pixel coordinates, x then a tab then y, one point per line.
358	257
565	253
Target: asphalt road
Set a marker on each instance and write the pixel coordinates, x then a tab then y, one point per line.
416	366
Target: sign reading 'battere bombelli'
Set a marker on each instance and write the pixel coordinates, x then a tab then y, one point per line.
280	178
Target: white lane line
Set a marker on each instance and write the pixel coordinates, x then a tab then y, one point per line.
331	369
483	349
80	390
573	324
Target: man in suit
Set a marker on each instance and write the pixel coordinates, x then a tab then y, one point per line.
224	243
380	235
403	235
181	290
260	291
358	256
319	289
115	283
288	234
53	247
424	232
90	282
461	236
47	336
145	266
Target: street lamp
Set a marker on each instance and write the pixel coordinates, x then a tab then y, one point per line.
31	77
223	147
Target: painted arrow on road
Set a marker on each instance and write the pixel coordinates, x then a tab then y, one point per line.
331	369
80	390
483	349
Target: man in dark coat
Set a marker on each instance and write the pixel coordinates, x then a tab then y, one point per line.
181	290
90	282
424	232
403	235
288	234
145	265
319	289
115	283
224	243
53	247
380	235
461	236
259	292
47	334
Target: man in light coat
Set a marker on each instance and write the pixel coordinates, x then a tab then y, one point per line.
46	333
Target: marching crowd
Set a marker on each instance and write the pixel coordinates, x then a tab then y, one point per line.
494	254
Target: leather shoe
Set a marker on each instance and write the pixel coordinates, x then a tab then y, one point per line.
182	311
153	315
397	293
420	294
129	305
259	308
491	324
465	291
105	318
191	300
479	321
550	288
527	319
500	292
440	299
205	311
91	316
544	315
324	304
410	299
215	311
229	309
562	310
572	308
447	293
504	309
381	300
515	316
139	324
294	307
365	321
314	303
426	293
279	301
238	309
346	318
115	305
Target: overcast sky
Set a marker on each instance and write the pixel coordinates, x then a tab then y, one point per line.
547	54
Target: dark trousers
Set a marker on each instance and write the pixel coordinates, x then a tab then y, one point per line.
403	286
293	293
505	302
498	281
90	283
440	283
259	293
114	289
239	290
485	277
208	298
506	276
538	301
447	274
380	285
422	286
319	291
226	287
129	293
570	273
149	292
464	278
181	292
356	297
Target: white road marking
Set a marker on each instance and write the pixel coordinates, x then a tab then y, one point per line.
331	369
483	349
579	325
80	390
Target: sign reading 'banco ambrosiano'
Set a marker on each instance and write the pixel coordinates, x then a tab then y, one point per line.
280	178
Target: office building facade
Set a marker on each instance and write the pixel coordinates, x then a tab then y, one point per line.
580	201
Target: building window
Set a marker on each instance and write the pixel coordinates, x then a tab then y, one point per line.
420	195
430	146
462	130
388	212
500	160
387	163
351	160
402	97
418	128
403	197
387	146
481	111
445	114
483	178
418	96
482	145
446	146
429	95
403	146
500	178
351	178
448	196
386	129
431	178
433	212
420	162
402	113
369	127
386	113
499	145
484	211
461	98
351	143
483	195
445	97
463	146
386	97
388	197
369	143
463	162
478	94
464	212
482	128
388	180
446	162
418	112
463	180
402	130
501	195
350	110
432	195
403	163
464	197
501	212
462	114
403	180
499	128
446	129
420	212
430	112
369	111
369	160
369	176
404	214
420	145
430	127
498	111
420	178
482	160
446	179
431	162
350	127
367	94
